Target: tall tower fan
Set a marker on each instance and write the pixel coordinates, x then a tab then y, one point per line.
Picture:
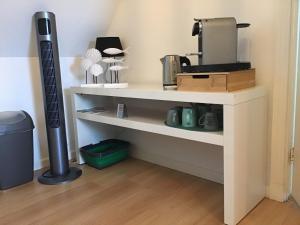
59	171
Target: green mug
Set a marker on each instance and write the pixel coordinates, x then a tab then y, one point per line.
209	121
173	117
189	117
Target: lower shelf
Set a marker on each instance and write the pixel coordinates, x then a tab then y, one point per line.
151	122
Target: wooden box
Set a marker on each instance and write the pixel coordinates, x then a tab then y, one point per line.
216	82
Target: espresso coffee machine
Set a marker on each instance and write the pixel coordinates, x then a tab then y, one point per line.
217	45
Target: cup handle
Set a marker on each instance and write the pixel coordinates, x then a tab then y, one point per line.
201	121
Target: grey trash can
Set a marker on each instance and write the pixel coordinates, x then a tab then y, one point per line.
16	149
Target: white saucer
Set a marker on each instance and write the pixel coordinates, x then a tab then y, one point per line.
116	85
92	85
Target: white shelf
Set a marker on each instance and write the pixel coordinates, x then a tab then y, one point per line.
153	123
156	92
243	140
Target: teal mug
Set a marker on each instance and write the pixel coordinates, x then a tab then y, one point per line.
218	109
189	117
174	117
179	109
209	121
202	109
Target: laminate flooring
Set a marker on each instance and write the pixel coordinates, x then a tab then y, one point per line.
132	192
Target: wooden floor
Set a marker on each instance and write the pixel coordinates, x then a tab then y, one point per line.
132	193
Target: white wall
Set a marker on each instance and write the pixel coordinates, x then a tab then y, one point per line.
20	89
154	28
199	159
78	24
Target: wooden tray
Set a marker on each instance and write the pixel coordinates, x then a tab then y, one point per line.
216	82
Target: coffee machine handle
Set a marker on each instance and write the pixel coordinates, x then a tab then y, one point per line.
184	60
243	25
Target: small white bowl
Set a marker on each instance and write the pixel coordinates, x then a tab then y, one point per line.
116	85
92	85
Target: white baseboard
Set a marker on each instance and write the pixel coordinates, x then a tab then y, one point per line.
43	163
276	192
182	166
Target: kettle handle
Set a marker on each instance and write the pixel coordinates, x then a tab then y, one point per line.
185	60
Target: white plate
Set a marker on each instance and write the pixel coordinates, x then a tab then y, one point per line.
92	85
116	85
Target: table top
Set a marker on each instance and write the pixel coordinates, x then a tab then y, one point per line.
156	92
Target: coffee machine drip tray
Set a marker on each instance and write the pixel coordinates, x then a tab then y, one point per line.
217	68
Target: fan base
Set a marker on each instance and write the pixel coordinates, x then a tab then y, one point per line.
48	179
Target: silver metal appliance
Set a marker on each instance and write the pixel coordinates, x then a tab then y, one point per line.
218	40
60	171
172	64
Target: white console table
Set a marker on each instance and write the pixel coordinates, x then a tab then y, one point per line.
243	139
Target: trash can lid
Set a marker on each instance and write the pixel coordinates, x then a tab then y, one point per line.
15	121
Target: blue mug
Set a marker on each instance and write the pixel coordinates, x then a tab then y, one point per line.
189	117
209	121
173	117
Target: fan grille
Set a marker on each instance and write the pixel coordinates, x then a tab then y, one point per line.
50	84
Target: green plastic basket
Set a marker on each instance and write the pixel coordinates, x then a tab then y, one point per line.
105	153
